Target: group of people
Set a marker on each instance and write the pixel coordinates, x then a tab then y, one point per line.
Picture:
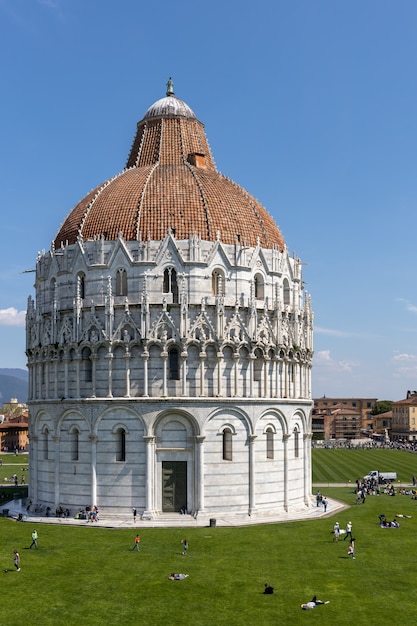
321	500
337	532
384	523
136	545
89	513
16	555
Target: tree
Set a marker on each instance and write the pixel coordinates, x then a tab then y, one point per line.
382	406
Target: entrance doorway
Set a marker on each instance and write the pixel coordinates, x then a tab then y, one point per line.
174	486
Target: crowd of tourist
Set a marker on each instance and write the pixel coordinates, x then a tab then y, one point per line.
354	444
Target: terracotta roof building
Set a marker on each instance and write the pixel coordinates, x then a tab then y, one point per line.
170	342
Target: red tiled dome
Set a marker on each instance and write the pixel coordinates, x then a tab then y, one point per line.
170	182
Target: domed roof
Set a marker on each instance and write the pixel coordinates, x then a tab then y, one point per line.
170	184
169	106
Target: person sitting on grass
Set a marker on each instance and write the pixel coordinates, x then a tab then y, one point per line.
268	589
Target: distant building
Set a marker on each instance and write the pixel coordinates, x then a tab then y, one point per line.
14	426
382	424
404	416
342	418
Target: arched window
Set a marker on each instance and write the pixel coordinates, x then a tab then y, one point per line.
296	443
81	286
227	445
217	283
269	443
258	282
286	289
46	443
121	282
170	283
121	445
74	439
174	365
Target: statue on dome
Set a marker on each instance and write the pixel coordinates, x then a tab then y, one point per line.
170	87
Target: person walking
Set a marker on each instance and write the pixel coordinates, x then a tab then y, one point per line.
134	515
34	540
348	531
324	503
351	549
136	544
184	547
336	532
16	560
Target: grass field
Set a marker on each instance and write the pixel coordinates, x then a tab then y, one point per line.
343	465
88	574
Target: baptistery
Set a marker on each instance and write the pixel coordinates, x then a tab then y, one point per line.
169	343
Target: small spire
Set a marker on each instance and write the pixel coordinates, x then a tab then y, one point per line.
170	87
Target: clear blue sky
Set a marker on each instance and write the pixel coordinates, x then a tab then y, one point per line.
310	105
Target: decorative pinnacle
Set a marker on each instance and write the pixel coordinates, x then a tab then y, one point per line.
170	87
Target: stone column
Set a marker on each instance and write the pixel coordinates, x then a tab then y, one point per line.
94	359
149	512
199	474
219	373
164	357
202	356
266	389
55	366
184	373
285	374
109	357
33	467
307	468
93	439
47	361
57	494
235	391
252	470
277	377
127	368
39	380
145	357
251	373
77	374
66	359
285	439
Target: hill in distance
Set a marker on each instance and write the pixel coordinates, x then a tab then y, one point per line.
13	384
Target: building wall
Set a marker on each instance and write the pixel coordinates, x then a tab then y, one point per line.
171	369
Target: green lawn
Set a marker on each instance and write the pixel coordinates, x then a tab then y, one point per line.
88	574
13	464
343	465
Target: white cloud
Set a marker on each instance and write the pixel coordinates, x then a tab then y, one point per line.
12	317
408	305
323	359
405	357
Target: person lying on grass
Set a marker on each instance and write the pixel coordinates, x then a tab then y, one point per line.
177	576
313	604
